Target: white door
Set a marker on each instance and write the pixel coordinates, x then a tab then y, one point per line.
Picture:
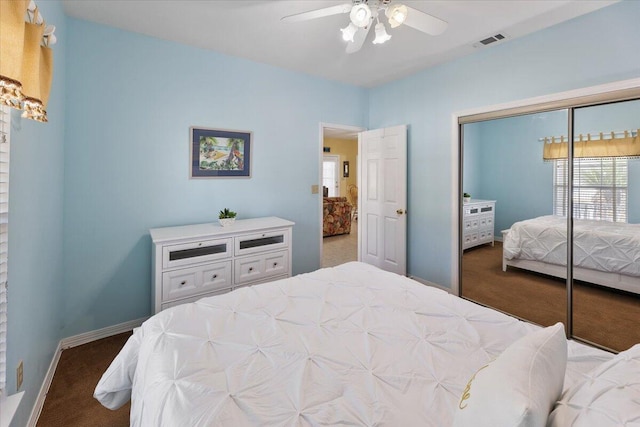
382	219
330	171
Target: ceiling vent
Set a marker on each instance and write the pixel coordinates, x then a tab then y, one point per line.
490	40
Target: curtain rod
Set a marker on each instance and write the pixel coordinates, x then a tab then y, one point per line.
597	136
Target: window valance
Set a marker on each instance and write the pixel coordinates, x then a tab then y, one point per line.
613	144
26	59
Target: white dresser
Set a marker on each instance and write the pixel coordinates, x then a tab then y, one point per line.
194	261
478	222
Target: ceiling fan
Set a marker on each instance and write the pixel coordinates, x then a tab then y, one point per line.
363	13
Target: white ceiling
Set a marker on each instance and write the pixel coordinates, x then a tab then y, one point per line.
253	30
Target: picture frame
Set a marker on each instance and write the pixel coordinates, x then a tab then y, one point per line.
345	169
219	153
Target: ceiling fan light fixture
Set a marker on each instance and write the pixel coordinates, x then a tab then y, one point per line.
348	32
381	34
397	14
360	15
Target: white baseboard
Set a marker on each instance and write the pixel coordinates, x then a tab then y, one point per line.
44	389
428	283
98	334
70	342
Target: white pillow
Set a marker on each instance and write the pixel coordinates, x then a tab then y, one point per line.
520	387
609	396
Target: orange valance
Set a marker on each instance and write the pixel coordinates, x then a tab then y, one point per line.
26	60
622	144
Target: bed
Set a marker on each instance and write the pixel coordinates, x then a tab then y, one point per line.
348	345
605	253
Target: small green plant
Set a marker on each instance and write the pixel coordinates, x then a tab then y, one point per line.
466	195
226	213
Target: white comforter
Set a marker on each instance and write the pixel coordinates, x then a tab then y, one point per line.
350	345
598	245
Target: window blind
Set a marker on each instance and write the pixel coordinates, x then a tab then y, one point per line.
600	188
5	119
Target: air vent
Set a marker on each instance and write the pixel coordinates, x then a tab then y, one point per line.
489	40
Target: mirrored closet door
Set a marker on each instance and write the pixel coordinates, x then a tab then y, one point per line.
537	200
606	224
503	168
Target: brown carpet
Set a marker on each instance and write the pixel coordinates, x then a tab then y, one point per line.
600	315
70	401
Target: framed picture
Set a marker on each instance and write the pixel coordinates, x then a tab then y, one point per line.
345	169
219	153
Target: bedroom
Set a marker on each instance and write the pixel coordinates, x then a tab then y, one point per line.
82	259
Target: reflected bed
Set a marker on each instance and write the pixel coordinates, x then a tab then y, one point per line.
605	253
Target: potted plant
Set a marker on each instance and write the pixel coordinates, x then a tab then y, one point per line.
466	197
226	217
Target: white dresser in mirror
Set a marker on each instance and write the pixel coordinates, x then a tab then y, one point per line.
478	223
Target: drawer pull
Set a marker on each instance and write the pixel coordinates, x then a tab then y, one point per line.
250	269
275	264
214	276
184	282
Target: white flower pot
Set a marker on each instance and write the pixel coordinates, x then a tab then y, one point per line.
226	222
467	199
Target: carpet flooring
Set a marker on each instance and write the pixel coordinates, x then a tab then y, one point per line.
70	402
601	315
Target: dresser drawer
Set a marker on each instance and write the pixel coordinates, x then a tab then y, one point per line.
194	299
261	242
469	240
196	252
485	236
255	268
186	282
486	222
470	224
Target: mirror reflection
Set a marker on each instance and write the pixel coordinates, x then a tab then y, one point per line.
606	218
514	219
503	168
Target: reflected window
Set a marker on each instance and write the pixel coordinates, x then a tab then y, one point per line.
600	189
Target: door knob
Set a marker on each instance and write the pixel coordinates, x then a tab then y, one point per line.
400	211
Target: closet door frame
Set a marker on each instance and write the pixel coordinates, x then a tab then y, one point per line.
596	95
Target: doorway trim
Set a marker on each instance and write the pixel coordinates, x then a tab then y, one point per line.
324	125
519	107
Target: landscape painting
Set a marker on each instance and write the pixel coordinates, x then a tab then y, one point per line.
220	153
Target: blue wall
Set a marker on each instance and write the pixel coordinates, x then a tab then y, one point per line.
510	167
35	233
567	56
131	100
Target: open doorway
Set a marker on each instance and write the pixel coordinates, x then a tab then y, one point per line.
339	178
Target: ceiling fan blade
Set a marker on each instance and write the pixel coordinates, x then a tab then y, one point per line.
358	39
318	13
424	22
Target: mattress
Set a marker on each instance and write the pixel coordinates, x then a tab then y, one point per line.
598	245
349	345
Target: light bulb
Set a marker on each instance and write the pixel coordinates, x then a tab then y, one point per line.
397	14
381	34
360	15
348	32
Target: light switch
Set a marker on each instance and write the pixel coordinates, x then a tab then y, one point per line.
315	189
